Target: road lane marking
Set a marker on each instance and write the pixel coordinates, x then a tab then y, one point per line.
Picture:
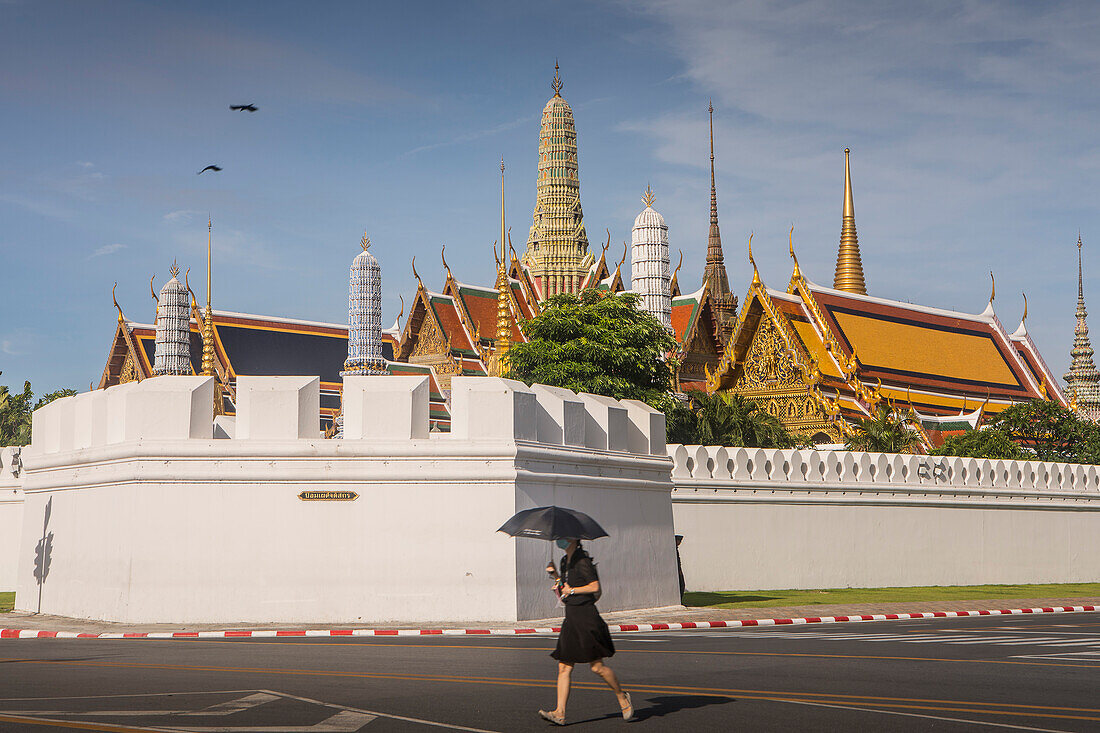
235	706
931	717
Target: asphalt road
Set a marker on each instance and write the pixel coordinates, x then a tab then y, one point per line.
975	674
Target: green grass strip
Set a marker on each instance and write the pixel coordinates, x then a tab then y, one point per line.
7	601
766	598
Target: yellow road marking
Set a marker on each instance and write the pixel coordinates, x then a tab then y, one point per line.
79	726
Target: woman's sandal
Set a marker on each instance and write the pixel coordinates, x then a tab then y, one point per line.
628	711
551	718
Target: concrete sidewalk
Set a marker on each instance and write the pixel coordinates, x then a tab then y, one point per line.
671	614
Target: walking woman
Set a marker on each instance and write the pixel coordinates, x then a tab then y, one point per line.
584	636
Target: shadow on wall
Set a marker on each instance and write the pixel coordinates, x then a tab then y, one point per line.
43	552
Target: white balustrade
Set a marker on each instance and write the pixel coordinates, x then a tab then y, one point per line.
736	466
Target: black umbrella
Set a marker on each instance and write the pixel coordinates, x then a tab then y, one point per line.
553	523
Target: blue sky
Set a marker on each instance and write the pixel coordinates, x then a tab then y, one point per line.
972	127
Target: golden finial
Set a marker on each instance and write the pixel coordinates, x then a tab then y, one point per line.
755	272
1024	318
443	256
679	265
556	85
365	242
174	270
402	312
496	257
419	282
648	198
121	318
608	244
993	287
151	291
621	261
187	284
500	262
797	272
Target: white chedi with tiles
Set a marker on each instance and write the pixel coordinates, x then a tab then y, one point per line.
365	315
650	274
172	353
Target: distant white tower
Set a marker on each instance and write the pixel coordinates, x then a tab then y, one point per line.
365	315
173	343
649	266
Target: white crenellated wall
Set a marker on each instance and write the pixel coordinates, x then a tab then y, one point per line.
154	518
767	519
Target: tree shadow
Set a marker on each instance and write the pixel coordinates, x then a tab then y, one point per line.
703	598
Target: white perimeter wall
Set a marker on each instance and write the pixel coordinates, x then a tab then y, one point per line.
159	522
755	519
11	519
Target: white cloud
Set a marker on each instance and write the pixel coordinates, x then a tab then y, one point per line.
107	249
85	164
181	217
7	348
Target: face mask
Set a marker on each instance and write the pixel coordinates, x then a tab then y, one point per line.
563	544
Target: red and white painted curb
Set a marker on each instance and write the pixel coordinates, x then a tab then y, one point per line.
621	628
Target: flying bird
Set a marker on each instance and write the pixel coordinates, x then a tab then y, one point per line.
214	168
243	107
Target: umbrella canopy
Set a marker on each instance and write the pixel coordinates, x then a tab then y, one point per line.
553	523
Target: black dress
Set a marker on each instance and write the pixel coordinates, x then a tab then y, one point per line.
584	636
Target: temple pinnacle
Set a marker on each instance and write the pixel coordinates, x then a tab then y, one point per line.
849	266
1082	379
556	85
715	278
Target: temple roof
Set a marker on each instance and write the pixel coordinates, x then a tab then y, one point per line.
856	349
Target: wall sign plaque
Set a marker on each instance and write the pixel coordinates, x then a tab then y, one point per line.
328	496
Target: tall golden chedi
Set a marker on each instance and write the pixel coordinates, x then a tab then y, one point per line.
557	246
849	266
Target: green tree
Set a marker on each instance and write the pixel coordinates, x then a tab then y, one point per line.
988	443
15	413
597	342
725	419
884	432
1053	432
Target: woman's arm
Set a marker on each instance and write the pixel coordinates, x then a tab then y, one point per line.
593	587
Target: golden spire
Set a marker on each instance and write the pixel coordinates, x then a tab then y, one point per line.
849	266
648	198
365	242
556	85
498	361
992	287
208	317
